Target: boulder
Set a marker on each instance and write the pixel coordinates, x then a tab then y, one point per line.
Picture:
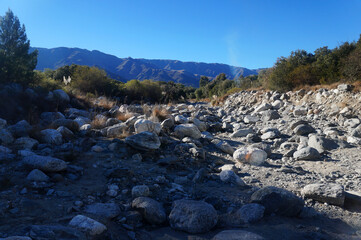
68	123
61	96
241	132
187	130
250	119
143	125
144	141
228	176
6	137
253	156
152	211
225	147
140	191
37	176
65	132
51	136
44	163
278	201
270	115
200	125
344	87
307	153
180	119
321	144
192	216
88	225
25	143
331	193
303	129
250	213
116	130
20	129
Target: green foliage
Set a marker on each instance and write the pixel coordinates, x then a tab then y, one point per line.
217	87
203	81
325	66
16	63
43	81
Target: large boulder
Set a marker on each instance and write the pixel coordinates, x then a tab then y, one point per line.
25	143
237	235
253	156
51	136
143	125
6	137
152	211
331	193
45	163
278	201
187	130
250	213
192	216
144	141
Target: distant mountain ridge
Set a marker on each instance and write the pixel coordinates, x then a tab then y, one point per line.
125	69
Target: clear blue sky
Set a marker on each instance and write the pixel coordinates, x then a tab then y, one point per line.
249	33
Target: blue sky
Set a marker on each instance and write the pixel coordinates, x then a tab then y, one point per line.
250	33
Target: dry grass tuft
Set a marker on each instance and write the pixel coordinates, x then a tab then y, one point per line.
124	116
98	123
160	113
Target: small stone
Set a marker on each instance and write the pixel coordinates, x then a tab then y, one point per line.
151	210
253	156
87	225
331	193
140	191
37	176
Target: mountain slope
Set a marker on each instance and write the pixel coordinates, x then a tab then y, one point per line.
125	69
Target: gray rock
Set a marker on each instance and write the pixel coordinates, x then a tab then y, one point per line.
303	129
37	176
143	125
352	122
20	129
263	107
167	123
60	95
344	87
331	193
180	119
300	112
228	176
104	210
65	132
250	213
25	143
270	115
356	132
68	123
6	137
241	132
278	201
250	119
140	191
253	156
45	163
112	121
116	130
82	121
192	216
321	144
237	235
225	147
307	153
143	141
88	225
51	136
187	130
200	125
3	123
152	211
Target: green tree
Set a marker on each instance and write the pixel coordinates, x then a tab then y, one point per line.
203	81
16	63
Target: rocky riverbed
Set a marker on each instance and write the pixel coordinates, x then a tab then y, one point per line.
262	165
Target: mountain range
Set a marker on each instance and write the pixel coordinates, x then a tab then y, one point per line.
124	69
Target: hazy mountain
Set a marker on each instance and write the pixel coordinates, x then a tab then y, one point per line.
125	69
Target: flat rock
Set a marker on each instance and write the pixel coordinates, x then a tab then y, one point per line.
307	153
331	193
45	163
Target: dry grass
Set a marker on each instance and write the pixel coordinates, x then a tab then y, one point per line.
160	113
105	103
98	123
124	116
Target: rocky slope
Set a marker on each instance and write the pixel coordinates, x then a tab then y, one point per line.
264	165
124	69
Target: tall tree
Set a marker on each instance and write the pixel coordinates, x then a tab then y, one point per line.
16	63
